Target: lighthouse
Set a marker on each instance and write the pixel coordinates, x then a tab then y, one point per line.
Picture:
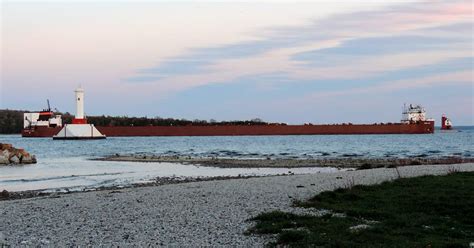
79	118
79	129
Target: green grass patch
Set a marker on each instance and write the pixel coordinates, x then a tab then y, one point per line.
428	211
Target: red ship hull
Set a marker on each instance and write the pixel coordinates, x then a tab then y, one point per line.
425	127
40	132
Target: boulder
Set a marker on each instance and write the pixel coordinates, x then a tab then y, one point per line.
29	159
4	159
5	146
12	155
14	159
4	195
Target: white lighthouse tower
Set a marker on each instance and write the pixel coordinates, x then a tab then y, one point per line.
79	129
79	105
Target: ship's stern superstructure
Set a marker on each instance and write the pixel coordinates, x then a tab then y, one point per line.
446	123
39	124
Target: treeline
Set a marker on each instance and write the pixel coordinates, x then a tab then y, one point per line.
11	121
157	121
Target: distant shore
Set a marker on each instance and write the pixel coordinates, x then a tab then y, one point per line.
349	162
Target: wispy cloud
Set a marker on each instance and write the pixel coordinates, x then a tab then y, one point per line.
360	44
239	60
443	79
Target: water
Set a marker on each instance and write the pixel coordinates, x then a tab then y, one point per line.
66	164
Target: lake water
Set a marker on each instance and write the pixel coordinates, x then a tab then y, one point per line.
66	164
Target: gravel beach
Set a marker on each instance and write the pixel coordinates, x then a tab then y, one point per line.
211	213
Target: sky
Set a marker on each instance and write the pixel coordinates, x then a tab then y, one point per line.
281	61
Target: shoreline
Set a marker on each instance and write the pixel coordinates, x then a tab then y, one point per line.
347	162
159	181
208	213
339	163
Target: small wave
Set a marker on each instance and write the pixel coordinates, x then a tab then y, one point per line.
62	177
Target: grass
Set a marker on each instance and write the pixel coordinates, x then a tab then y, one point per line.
429	211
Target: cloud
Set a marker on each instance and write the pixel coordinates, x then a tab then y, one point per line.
380	45
360	44
144	78
277	97
253	55
445	79
177	67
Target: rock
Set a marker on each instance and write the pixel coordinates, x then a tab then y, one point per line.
29	159
4	159
14	159
5	153
12	155
4	194
5	146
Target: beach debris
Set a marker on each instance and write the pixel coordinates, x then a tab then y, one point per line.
358	228
10	155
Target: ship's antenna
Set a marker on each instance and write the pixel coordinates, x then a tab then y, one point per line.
49	107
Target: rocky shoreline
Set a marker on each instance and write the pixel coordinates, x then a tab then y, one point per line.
212	213
356	162
10	155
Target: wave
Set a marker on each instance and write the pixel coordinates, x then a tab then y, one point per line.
62	177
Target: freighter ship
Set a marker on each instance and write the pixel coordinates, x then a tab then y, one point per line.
414	121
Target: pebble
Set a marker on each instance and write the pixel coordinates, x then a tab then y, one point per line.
207	213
